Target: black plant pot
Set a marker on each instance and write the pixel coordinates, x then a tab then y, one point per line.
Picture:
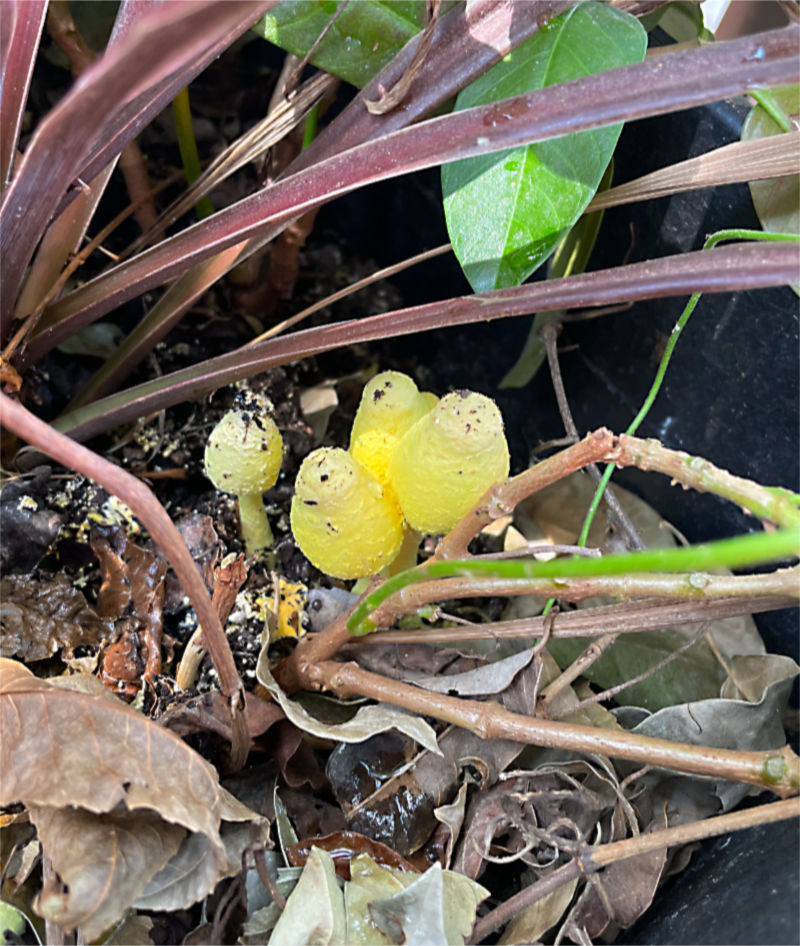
731	395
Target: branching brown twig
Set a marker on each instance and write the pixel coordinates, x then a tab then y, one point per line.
601	856
624	450
784	582
778	769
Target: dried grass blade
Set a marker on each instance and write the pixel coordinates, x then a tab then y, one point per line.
776	156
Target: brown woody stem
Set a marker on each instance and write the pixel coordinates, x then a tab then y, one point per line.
155	519
772	505
696	587
627	617
777	770
598	857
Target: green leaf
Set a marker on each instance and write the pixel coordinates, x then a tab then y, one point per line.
777	200
363	39
571	256
506	211
695	674
682	20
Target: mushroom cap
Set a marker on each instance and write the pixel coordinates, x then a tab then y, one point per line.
342	519
390	405
444	464
245	449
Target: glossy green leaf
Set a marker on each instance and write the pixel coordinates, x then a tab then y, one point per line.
777	200
506	211
571	256
366	35
683	20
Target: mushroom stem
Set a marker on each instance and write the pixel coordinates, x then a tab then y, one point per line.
407	556
256	530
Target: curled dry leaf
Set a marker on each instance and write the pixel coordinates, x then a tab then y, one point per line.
64	749
726	723
379	905
132	593
483	681
367	721
210	712
325	923
40	618
343	846
622	892
103	860
391	796
531	923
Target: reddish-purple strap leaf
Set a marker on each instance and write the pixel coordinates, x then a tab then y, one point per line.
467	41
21	23
667	83
725	269
105	108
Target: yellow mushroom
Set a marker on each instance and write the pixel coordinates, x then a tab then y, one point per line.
444	463
342	519
243	457
390	405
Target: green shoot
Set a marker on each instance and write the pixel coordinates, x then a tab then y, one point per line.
715	238
753	549
188	148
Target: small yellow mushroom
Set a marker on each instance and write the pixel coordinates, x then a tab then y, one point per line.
444	464
390	405
243	457
342	519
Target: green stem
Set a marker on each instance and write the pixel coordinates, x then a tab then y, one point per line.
310	130
752	549
718	237
766	100
256	530
188	148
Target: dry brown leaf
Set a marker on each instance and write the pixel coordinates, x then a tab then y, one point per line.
39	618
775	156
623	891
531	923
132	590
396	807
210	712
103	860
134	931
489	679
63	747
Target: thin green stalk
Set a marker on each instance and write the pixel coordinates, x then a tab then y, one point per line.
188	148
755	548
766	100
718	237
310	130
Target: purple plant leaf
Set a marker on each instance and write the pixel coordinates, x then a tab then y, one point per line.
467	41
162	52
661	84
21	23
726	269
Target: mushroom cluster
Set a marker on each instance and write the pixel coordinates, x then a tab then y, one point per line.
415	463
